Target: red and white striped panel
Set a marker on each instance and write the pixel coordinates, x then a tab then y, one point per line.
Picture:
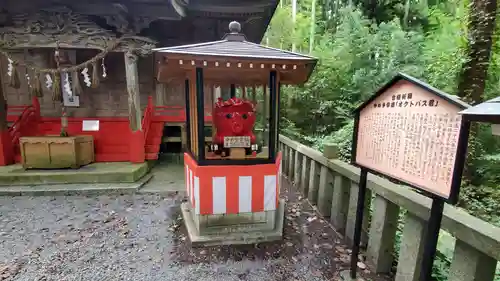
232	193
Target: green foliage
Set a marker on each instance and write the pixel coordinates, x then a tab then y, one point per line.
359	51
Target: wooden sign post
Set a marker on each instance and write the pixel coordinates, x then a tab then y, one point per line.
411	132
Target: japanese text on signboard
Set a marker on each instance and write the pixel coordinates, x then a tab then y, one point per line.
412	135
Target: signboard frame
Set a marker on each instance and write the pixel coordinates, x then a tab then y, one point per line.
460	154
438	201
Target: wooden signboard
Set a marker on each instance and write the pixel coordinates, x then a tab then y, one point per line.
410	132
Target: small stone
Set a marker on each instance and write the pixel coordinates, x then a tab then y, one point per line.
289	244
361	265
311	219
327	246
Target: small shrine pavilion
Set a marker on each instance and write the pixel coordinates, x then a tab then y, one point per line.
233	180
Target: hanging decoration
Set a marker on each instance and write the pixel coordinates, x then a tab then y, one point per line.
104	74
67	85
48	81
14	80
36	90
95	75
77	88
56	88
28	79
82	67
10	67
86	77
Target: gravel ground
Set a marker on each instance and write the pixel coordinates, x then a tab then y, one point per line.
141	237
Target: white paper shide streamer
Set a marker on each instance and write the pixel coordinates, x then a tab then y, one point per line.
10	67
48	81
86	77
67	85
104	74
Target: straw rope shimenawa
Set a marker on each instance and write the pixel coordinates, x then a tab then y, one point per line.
78	67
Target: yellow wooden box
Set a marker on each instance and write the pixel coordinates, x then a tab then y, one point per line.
55	152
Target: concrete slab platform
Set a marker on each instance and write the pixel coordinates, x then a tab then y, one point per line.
74	189
167	177
233	238
116	172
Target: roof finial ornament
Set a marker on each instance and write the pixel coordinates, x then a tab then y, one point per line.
234	27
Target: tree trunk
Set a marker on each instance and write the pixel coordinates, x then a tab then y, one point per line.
474	71
472	80
313	26
294	18
406	14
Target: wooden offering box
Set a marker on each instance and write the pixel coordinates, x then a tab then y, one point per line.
55	152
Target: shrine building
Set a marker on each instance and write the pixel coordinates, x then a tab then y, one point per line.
75	68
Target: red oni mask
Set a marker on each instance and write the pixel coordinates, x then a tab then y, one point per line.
234	117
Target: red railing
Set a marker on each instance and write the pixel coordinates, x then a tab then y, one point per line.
26	121
148	117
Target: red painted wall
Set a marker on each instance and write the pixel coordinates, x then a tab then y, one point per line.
111	142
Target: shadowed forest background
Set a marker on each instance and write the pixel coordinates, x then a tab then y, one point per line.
362	44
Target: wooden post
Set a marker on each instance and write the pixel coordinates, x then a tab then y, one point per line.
160	93
265	120
137	141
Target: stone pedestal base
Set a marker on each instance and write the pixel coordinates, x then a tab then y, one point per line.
234	229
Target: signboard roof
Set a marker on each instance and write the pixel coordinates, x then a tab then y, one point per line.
401	76
411	132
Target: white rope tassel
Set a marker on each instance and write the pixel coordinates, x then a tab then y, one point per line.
86	77
10	68
104	74
48	81
67	86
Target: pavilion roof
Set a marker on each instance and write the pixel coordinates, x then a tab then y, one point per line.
233	50
235	45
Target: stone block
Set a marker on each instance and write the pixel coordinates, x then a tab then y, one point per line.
325	192
243	230
411	249
469	264
340	202
382	234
